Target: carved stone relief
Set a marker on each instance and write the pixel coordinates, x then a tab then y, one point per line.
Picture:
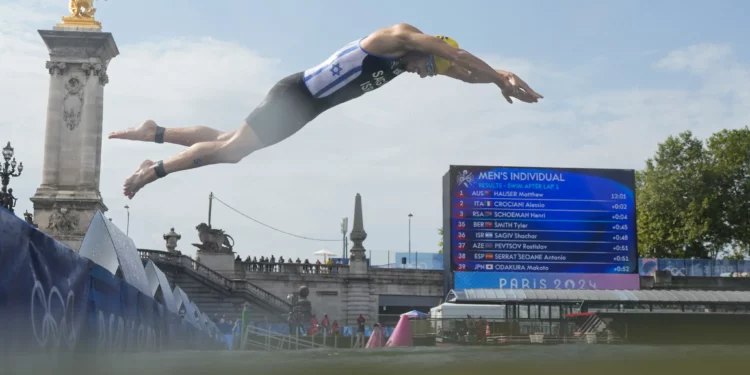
62	221
97	70
92	69
56	67
73	102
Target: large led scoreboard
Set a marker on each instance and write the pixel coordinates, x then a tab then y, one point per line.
539	228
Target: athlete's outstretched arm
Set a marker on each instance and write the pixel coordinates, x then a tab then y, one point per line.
478	71
461	74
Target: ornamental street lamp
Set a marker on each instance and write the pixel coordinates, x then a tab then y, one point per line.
127	231
8	170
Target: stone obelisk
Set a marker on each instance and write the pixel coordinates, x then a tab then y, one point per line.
358	257
358	295
69	194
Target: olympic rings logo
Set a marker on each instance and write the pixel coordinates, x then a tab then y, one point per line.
110	337
58	315
675	271
50	332
112	334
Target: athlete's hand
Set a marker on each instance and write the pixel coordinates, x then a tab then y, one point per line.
513	86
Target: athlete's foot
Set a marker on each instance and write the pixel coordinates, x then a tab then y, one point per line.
146	132
143	176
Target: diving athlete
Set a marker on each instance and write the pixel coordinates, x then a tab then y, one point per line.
358	67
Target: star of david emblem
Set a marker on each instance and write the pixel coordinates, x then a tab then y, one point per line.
336	70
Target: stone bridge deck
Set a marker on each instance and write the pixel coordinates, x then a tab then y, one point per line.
333	289
337	292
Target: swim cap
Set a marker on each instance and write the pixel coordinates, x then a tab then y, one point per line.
441	63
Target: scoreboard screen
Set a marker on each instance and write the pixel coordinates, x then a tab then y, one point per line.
540	220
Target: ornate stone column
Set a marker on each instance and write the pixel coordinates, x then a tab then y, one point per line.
69	195
52	132
91	124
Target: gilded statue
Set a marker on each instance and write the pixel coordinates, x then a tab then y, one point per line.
81	14
82	8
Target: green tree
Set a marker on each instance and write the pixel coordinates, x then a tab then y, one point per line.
730	156
692	199
672	200
440	231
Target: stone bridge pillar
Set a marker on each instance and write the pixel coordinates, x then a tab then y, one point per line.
68	197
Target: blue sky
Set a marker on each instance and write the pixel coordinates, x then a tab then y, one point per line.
616	36
618	78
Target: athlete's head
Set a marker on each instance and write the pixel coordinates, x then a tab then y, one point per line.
428	65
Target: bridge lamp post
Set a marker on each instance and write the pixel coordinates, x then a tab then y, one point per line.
344	229
7	171
410	216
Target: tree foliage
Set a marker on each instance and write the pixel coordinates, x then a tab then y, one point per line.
693	197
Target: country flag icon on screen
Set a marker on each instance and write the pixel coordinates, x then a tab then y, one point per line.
489	256
489	267
488	224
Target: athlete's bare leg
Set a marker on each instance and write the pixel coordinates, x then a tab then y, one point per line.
146	132
242	142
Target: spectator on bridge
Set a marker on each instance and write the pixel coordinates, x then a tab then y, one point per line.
331	268
272	267
313	324
281	264
317	266
335	328
308	266
361	330
324	324
290	322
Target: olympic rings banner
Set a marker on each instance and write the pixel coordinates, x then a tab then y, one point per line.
53	300
44	289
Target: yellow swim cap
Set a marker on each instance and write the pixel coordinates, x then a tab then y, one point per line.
441	63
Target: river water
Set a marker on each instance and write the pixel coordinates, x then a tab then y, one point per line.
562	359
